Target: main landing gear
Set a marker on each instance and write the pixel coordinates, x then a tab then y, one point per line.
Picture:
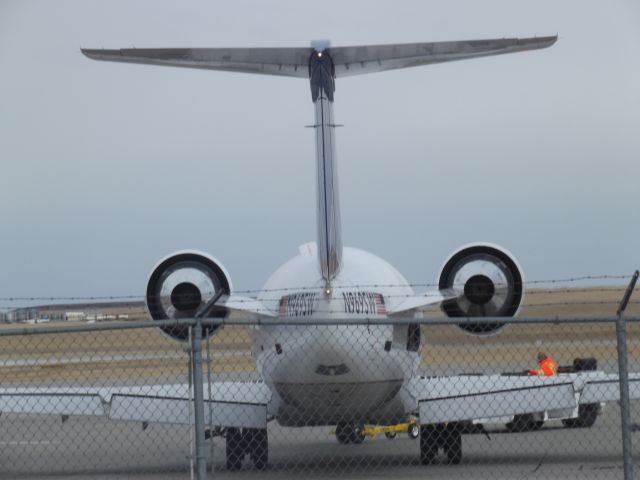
447	436
247	441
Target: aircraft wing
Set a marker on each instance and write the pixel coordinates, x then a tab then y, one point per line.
232	404
472	397
294	61
246	306
247	404
420	302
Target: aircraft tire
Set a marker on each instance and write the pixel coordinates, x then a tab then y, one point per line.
234	448
413	431
343	430
258	448
428	444
453	446
587	415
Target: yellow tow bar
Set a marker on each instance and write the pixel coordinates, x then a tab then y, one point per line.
411	427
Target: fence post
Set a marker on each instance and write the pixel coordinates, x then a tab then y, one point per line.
198	397
210	399
623	374
191	428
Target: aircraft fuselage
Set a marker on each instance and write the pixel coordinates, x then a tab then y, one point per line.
327	374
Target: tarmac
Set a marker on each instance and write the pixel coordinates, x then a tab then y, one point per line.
44	447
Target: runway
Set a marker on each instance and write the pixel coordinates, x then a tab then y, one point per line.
48	361
87	447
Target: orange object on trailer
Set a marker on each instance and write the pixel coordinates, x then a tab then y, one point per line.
547	366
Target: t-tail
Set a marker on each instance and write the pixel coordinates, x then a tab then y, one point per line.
322	64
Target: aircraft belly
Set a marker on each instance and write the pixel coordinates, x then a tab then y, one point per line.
345	373
330	403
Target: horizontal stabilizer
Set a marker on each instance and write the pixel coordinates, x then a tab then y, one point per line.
377	58
289	62
294	62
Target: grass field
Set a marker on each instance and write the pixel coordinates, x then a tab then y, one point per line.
148	354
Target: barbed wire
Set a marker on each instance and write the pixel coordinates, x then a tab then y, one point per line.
70	298
139	297
276	304
329	311
577	304
356	287
434	284
579	279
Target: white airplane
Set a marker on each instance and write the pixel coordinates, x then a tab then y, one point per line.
344	375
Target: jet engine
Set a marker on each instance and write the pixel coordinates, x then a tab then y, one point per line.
488	282
182	283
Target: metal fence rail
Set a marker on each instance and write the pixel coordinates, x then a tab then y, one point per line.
119	397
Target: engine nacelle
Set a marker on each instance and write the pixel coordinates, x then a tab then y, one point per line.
488	281
180	284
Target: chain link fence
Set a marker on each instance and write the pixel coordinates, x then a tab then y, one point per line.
340	399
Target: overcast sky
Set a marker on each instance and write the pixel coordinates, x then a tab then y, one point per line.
106	167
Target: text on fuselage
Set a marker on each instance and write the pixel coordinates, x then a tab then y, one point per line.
298	304
366	303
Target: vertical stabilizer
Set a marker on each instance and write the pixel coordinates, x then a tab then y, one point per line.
322	81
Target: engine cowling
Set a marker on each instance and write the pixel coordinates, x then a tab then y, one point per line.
180	284
488	281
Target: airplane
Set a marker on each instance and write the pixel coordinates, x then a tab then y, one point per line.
335	375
